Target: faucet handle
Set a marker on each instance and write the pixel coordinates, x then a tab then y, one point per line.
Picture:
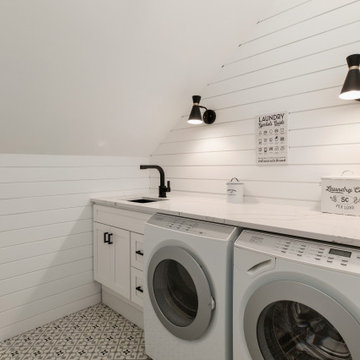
168	189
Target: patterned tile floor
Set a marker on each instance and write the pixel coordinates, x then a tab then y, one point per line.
93	333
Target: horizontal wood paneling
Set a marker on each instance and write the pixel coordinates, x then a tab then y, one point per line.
295	61
43	276
46	265
68	307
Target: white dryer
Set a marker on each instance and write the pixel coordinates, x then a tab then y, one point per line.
295	299
188	289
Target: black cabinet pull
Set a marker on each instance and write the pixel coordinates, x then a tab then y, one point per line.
110	241
105	237
139	252
140	289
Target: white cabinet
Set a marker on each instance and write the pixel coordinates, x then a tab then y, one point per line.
119	251
112	260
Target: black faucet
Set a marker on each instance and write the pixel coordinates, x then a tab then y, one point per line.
162	188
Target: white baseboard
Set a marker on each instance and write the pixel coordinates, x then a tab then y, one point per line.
123	306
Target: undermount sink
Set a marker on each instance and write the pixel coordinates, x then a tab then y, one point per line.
145	200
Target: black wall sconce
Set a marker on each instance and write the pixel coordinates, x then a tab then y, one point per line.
351	88
195	115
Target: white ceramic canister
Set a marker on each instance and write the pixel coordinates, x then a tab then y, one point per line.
340	194
235	191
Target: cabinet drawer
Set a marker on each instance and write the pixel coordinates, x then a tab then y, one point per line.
137	286
129	220
137	251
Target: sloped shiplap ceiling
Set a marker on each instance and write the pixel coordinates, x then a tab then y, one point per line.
108	77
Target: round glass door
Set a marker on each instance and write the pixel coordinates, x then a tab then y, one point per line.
289	320
288	330
179	292
175	292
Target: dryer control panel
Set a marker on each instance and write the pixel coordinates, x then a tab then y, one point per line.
302	250
194	227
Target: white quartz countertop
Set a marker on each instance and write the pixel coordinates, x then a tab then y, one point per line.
291	220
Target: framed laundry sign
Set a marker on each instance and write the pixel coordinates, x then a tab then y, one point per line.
272	139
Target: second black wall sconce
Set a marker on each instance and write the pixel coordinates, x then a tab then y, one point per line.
351	88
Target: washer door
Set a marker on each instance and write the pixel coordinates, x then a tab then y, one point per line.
179	292
287	320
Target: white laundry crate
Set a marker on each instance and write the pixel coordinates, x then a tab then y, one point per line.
340	195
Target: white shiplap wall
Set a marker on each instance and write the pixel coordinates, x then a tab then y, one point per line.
46	232
295	62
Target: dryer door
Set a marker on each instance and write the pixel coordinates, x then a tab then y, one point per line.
179	292
288	320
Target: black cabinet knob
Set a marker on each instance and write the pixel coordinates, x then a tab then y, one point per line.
139	252
139	289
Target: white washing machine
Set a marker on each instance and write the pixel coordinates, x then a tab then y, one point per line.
188	289
295	299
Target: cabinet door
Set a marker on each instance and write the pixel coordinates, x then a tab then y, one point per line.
112	258
103	255
121	248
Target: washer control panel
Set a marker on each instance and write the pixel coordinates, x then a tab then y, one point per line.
309	251
194	227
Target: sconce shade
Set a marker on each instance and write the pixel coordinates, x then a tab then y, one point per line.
195	115
351	88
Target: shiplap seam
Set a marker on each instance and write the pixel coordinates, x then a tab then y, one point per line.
324	145
278	97
48	253
274	81
39	226
253	133
45	282
62	305
48	267
45	239
254	165
69	180
242	179
283	63
230	122
46	210
206	151
245	195
67	166
253	149
48	296
325	126
207	138
291	43
298	23
77	193
283	11
281	198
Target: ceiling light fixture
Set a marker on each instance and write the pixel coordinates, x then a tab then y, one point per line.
351	88
195	114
